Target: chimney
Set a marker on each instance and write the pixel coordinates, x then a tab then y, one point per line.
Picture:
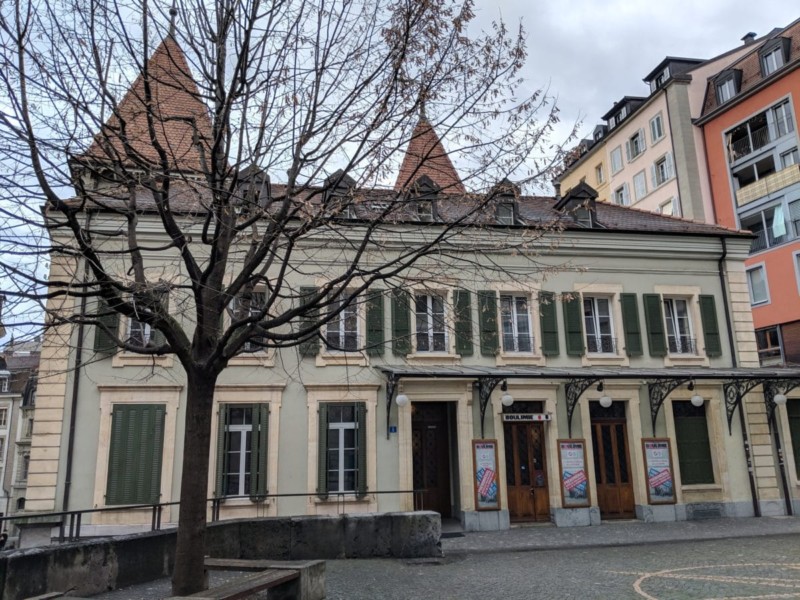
749	38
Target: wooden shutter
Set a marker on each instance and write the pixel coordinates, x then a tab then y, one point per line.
322	452
223	443
375	337
708	314
310	346
487	321
630	324
104	342
549	323
654	318
694	450
135	453
401	322
462	301
573	325
361	449
258	452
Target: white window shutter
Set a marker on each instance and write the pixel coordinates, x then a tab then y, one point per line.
628	150
670	165
653	176
626	196
642	139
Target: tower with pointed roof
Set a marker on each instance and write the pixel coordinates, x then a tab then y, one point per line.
426	156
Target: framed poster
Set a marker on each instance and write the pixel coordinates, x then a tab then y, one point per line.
487	488
574	479
658	471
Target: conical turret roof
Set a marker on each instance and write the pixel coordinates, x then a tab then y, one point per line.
426	156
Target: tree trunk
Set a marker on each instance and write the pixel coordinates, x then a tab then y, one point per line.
188	576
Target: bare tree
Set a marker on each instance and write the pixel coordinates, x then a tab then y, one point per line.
146	137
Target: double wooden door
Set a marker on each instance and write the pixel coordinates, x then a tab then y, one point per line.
526	472
431	457
612	466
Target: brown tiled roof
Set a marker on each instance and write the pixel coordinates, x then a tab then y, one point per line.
427	156
750	66
178	111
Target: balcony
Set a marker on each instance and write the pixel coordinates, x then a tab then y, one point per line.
768	185
756	140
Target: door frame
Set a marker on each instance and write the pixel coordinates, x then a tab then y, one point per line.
438	390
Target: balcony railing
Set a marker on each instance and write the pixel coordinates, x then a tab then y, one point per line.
757	139
769	184
517	343
681	345
603	344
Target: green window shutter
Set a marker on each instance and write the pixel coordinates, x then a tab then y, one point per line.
258	452
549	323
361	449
322	453
793	411
375	337
310	346
463	322
135	453
708	315
573	325
630	324
157	338
487	320
654	317
103	341
401	322
223	440
694	450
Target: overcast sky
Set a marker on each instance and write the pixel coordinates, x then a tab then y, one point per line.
592	52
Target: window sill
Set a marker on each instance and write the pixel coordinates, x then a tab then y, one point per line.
588	360
263	359
347	499
126	359
428	358
244	502
520	358
682	360
355	359
702	487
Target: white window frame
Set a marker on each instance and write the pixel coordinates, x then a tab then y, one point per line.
618	163
430	323
515	314
624	195
2	450
662	176
726	90
782	110
596	316
505	213
249	347
4	416
672	319
340	324
636	143
341	427
671	207
4	383
244	448
641	176
772	61
750	270
146	332
794	158
424	211
599	174
658	121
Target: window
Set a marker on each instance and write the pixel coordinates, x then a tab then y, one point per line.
671	207
635	145
598	325
3	417
2	449
505	213
342	331
431	331
793	412
250	305
772	61
342	448
516	322
4	383
691	438
757	284
640	185
679	326
598	173
24	467
425	210
242	450
616	160
770	226
134	457
656	128
622	196
790	158
782	117
662	170
726	90
768	342
138	333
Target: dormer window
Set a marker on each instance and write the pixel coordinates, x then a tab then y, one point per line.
505	213
727	85
425	210
339	194
424	191
4	383
662	77
773	55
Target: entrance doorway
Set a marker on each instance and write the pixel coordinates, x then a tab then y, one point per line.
612	466
526	472
430	438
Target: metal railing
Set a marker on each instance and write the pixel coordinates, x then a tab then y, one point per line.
757	139
604	344
70	522
518	343
681	345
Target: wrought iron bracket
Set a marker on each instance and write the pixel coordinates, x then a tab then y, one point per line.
485	387
773	388
573	389
735	390
391	387
658	391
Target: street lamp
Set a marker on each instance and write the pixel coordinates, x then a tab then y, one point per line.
605	399
506	399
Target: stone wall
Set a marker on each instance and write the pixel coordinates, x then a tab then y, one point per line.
94	566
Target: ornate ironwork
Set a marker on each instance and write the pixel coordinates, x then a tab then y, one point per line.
658	391
573	389
485	387
391	386
735	390
774	387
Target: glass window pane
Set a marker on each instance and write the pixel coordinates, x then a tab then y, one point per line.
349	438
349	481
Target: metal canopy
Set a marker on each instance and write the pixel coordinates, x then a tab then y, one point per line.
736	382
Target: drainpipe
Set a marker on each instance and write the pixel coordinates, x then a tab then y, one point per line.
734	363
76	382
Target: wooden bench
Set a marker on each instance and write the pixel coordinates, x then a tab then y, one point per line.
250	586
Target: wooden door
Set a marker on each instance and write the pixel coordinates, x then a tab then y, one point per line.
431	457
526	472
612	466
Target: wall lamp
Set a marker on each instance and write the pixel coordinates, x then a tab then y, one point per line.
605	399
506	399
697	399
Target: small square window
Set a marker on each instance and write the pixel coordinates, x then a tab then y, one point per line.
505	213
757	284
